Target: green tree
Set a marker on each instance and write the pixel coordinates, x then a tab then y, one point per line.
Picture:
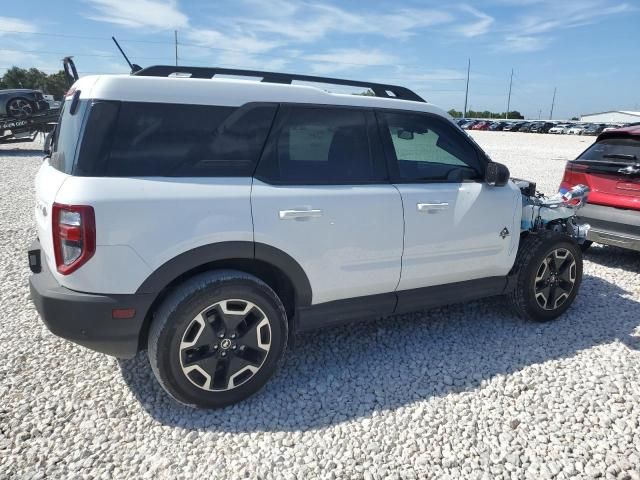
53	84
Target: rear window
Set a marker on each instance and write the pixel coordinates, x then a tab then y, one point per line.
613	150
328	145
138	139
66	135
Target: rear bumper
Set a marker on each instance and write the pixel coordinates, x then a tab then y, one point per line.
612	226
87	319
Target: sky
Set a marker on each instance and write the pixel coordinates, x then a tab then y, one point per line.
587	49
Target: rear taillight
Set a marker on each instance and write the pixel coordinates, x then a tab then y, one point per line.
574	174
74	236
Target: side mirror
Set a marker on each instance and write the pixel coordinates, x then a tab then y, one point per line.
496	174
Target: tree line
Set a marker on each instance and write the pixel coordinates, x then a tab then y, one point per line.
52	84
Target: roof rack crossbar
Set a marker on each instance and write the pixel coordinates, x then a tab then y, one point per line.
379	89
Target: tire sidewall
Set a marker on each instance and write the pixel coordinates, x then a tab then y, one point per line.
536	311
168	342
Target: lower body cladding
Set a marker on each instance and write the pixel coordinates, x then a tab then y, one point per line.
108	324
612	226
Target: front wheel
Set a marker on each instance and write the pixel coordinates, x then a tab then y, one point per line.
217	339
548	273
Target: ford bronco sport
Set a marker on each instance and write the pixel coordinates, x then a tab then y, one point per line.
208	220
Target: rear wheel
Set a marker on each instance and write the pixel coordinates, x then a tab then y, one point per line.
548	272
20	108
217	339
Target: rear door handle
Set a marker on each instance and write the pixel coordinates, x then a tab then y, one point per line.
432	207
293	214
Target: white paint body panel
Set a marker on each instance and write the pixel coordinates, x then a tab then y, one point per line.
48	181
353	249
155	219
462	241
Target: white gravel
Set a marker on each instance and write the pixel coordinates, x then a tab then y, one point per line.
466	391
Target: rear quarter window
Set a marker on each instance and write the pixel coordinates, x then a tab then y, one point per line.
139	139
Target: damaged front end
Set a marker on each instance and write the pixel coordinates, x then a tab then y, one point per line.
555	213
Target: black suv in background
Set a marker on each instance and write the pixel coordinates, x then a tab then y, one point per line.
595	129
541	127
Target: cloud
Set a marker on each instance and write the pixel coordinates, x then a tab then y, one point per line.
233	41
533	30
479	27
10	24
155	14
522	44
568	14
346	59
307	22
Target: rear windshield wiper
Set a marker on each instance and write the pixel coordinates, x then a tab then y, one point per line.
622	156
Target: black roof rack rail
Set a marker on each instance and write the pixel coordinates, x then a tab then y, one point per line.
379	89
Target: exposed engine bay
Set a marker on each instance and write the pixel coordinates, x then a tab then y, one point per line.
555	213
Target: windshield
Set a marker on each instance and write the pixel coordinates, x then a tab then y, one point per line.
614	150
66	136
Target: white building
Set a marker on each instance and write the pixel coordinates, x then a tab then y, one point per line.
614	116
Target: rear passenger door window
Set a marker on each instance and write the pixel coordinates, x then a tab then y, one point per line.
322	145
321	195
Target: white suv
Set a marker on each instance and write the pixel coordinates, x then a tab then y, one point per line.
208	220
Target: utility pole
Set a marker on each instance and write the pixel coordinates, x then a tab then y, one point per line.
175	36
506	115
553	102
539	114
466	95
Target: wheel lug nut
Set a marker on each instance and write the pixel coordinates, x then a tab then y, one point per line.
233	335
224	354
215	347
221	335
233	347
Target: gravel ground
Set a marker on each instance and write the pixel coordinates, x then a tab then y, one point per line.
466	391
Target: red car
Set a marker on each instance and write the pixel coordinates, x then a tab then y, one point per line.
481	126
611	169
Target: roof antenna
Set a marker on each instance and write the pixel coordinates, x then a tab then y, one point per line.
134	67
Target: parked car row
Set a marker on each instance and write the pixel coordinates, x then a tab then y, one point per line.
558	128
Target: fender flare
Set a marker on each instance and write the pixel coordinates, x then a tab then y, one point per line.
191	259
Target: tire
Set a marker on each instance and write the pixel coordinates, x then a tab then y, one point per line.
548	271
201	343
20	108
